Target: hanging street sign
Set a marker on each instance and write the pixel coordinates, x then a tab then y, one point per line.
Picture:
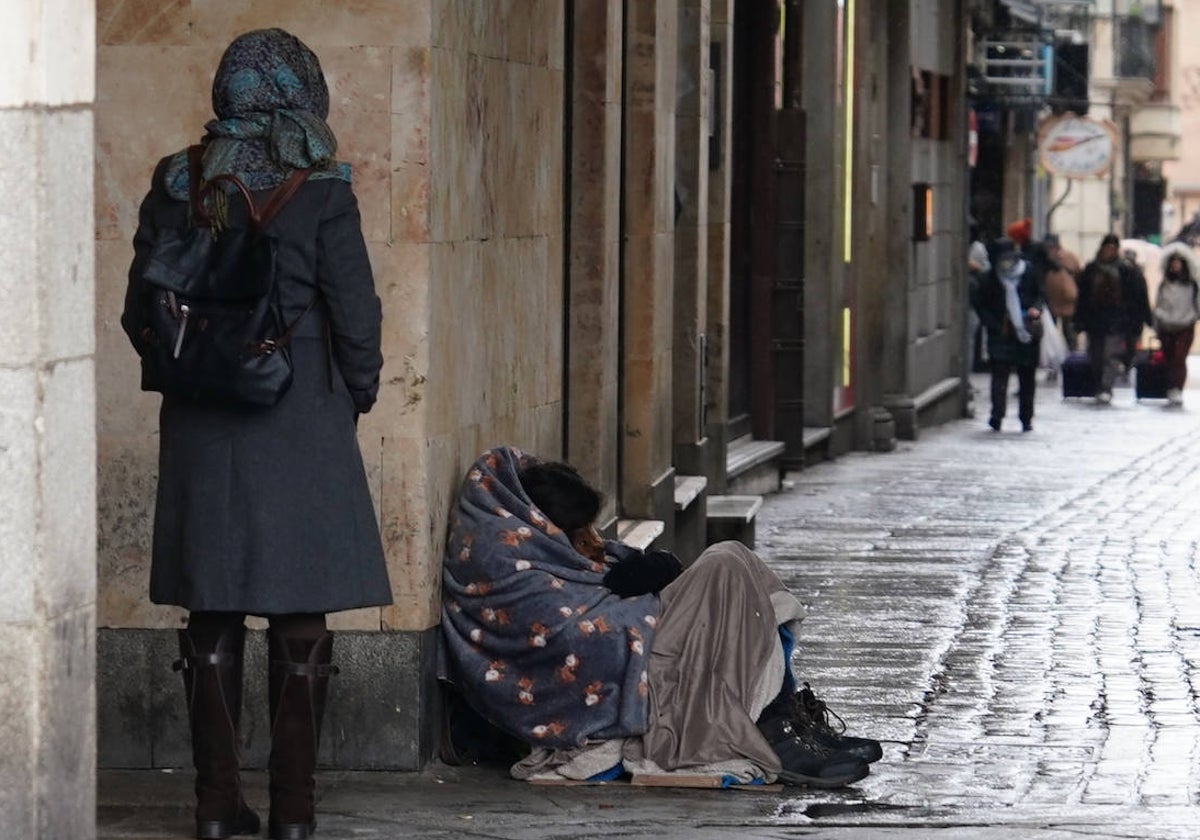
1076	147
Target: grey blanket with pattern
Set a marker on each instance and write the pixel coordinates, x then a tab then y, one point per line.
530	636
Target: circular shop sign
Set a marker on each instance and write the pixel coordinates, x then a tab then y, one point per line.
1076	147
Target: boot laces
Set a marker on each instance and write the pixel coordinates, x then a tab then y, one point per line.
818	715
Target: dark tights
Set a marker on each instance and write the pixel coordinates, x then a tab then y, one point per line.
1026	388
211	624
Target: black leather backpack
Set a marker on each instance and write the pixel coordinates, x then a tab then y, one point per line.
213	330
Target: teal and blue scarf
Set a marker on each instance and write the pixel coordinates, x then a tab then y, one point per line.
271	101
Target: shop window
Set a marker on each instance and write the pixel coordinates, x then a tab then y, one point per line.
930	105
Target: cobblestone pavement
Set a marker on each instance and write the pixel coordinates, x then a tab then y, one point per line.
1016	614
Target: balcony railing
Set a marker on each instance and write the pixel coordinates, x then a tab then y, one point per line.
1134	47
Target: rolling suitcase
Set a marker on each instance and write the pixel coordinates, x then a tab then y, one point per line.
1150	375
1077	377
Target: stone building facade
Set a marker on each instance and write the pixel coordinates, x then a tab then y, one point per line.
647	237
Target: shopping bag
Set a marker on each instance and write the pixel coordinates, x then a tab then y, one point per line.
1053	346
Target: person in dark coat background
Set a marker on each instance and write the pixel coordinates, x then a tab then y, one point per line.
1113	306
268	512
1008	301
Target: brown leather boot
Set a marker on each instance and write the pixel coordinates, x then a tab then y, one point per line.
298	680
212	680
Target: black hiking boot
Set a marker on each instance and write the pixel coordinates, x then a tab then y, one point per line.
806	763
812	716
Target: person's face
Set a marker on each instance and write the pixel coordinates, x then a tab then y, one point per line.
1006	262
1108	253
588	542
1175	266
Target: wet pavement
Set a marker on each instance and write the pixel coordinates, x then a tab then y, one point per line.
1016	615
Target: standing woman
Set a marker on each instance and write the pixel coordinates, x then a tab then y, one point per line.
1009	304
267	511
1176	310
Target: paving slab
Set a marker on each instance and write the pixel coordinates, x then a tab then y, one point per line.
1016	615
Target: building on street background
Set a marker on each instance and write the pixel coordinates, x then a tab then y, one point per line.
684	244
1117	65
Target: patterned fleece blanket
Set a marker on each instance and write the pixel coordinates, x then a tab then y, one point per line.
530	636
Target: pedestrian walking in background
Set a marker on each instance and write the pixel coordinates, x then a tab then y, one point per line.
1113	307
267	511
1061	286
1059	292
1009	303
1020	233
1176	310
978	265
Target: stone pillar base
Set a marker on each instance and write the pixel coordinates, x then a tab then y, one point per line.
382	712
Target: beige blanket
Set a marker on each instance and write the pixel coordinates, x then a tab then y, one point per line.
717	661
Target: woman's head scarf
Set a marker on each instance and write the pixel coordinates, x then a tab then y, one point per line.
271	101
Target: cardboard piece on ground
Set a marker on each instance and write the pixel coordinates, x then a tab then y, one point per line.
682	780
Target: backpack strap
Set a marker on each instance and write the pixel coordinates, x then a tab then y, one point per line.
269	345
281	195
198	187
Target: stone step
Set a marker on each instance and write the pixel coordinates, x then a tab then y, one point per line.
752	466
639	533
746	453
688	488
732	518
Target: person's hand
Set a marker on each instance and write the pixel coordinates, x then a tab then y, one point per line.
640	574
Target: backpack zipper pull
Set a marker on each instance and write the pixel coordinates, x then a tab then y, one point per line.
184	309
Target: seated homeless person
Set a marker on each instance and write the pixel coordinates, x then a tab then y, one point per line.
604	659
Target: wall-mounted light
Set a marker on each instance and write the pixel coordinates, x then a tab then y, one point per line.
922	212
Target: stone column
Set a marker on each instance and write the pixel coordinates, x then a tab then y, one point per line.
823	253
647	480
691	228
47	423
717	238
594	280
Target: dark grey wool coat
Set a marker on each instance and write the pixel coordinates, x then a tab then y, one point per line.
268	511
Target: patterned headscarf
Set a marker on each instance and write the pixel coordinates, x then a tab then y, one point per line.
270	99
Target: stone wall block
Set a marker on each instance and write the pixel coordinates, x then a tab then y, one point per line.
486	108
65	286
68	36
127	469
454	157
401	281
364	143
56	66
19	662
20	139
142	22
18	494
412	74
452	25
317	23
410	201
67	568
404	509
67	747
455	382
178	80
